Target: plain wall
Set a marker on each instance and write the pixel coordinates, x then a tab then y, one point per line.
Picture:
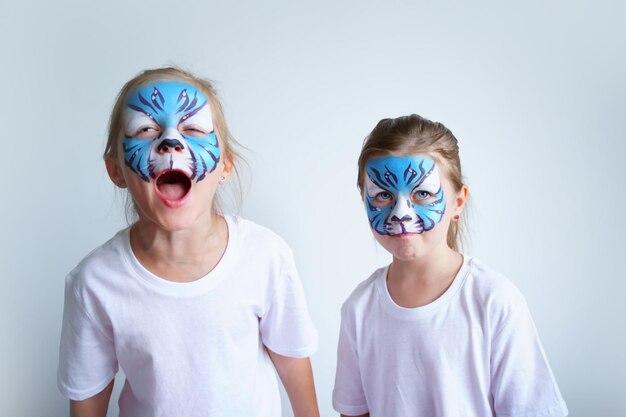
534	91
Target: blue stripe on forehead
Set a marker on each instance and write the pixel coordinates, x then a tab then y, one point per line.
399	173
167	102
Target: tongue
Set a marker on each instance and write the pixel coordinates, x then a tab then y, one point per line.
174	191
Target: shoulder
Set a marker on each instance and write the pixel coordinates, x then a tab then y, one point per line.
490	285
362	297
493	292
261	256
255	239
100	265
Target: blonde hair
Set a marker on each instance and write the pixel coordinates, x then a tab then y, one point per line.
413	134
229	146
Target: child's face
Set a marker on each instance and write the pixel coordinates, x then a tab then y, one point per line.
406	198
169	126
403	194
171	154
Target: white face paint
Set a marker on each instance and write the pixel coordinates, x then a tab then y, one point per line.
201	123
138	124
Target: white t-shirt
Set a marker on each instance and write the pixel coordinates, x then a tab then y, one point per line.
187	349
473	352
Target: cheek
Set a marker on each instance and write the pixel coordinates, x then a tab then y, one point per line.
383	240
449	208
136	186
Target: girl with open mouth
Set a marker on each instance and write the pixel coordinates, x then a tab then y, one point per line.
197	307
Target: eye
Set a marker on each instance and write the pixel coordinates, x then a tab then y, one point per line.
147	132
193	130
421	195
383	198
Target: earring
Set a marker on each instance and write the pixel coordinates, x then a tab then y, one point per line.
456	218
121	183
222	178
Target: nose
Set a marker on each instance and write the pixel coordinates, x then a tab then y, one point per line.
402	211
404	218
170	146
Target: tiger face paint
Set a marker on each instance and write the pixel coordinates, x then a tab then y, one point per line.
169	129
403	195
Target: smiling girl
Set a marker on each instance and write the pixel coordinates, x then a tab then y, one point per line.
198	308
435	333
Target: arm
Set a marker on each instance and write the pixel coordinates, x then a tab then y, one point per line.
95	406
297	378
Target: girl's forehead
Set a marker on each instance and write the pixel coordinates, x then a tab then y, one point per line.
166	99
165	87
400	162
396	160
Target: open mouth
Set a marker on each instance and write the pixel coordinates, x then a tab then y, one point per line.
173	185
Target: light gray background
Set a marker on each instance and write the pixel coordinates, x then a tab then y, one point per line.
534	91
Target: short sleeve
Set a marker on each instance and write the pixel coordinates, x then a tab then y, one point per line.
348	395
522	381
286	327
87	360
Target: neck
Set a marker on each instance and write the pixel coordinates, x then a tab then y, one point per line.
179	245
180	256
439	264
428	266
421	280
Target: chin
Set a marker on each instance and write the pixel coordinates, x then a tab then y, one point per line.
174	220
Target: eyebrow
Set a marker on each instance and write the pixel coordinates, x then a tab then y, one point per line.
369	183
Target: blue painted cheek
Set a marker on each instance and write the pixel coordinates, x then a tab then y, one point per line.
205	152
377	215
137	156
432	213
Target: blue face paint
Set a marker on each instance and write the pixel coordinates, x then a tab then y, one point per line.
169	127
403	195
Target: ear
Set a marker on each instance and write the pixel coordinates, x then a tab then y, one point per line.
228	167
115	172
460	199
